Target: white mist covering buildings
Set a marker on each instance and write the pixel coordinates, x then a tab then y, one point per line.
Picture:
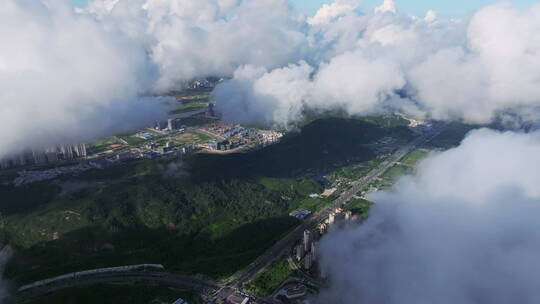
307	251
361	62
466	224
49	155
307	240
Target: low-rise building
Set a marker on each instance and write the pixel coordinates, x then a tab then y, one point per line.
296	292
237	299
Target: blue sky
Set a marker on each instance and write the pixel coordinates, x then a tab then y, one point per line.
448	8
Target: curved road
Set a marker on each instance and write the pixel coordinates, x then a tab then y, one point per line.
123	278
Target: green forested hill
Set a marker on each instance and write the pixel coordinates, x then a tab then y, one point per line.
220	213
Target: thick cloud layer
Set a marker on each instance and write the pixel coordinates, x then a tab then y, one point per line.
281	95
64	78
78	75
71	75
189	39
472	69
328	12
464	229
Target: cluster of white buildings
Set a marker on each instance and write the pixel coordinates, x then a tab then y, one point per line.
306	251
336	216
270	137
45	156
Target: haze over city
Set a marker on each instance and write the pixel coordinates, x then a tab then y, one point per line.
269	151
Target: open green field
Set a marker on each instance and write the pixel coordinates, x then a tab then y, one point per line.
188	107
404	167
311	204
103	144
395	172
132	140
110	294
355	171
201	136
414	157
203	214
269	279
200	93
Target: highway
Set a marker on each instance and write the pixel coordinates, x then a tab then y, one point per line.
123	278
279	249
286	243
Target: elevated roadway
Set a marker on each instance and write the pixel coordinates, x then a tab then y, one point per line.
285	244
278	250
123	278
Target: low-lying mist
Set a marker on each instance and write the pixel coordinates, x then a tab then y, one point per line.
463	229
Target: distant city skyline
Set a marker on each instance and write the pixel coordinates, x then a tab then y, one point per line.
454	8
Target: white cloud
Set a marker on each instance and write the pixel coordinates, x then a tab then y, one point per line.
350	81
497	71
328	12
89	69
191	39
255	94
473	69
71	76
393	35
356	83
431	16
464	229
388	6
64	78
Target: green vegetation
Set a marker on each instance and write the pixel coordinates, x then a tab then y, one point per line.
301	185
356	171
103	144
196	121
110	294
270	279
359	206
213	228
396	171
188	107
323	146
311	204
214	217
452	136
132	140
406	166
201	136
192	94
386	121
414	157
